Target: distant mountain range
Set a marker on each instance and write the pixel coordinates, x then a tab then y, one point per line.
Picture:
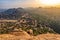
1	10
13	13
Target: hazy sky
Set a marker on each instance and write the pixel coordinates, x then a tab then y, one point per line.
17	3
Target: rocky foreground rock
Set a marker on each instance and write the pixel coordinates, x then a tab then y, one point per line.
22	35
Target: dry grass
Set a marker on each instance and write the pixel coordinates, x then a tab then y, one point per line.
25	36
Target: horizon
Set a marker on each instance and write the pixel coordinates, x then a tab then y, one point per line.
6	4
17	3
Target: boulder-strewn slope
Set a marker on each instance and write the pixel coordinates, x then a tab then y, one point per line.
22	35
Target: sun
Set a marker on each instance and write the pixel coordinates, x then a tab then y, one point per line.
49	2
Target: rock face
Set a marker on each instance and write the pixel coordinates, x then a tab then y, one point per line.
22	35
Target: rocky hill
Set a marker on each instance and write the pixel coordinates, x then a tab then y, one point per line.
25	20
35	26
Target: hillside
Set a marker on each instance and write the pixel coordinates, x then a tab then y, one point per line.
39	20
47	16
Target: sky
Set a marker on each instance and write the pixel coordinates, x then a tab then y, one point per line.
17	3
27	3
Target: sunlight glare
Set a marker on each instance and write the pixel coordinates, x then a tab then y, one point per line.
49	2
